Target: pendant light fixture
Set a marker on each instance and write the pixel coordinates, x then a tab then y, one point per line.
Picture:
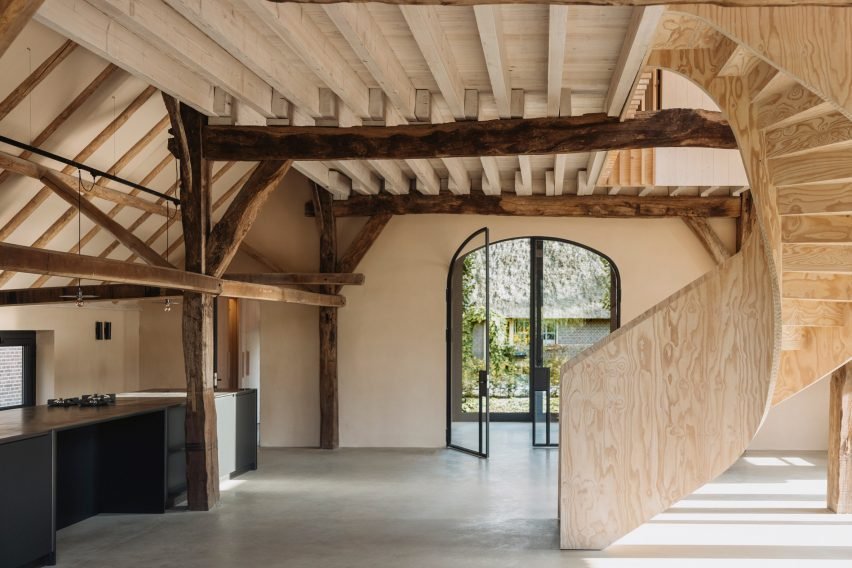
169	303
79	298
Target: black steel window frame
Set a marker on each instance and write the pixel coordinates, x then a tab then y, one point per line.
27	340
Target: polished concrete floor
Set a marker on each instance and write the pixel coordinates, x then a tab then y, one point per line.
434	508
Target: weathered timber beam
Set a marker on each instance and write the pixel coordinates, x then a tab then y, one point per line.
252	291
104	292
304	278
229	232
328	386
363	242
90	210
726	3
559	135
708	238
53	263
37	171
14	15
602	206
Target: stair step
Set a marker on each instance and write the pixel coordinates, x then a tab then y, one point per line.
829	199
795	103
810	134
831	259
813	167
826	287
812	313
817	229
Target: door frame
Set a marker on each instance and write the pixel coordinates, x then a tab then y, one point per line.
483	425
615	319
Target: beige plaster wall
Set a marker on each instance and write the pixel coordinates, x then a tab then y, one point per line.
70	361
391	351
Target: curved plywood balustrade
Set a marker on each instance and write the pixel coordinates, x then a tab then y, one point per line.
672	399
807	130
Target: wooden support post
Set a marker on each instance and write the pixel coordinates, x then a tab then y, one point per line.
745	220
708	237
840	441
329	431
202	470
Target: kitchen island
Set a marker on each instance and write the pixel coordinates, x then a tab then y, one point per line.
61	465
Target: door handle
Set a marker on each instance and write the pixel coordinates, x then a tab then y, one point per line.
541	378
483	383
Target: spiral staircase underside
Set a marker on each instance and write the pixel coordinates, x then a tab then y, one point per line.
672	399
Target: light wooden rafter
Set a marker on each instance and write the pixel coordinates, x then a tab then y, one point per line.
366	39
298	31
557	32
41	72
91	233
100	34
82	156
625	77
14	15
69	110
178	38
436	50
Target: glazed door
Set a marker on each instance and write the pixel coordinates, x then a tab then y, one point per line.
543	339
468	345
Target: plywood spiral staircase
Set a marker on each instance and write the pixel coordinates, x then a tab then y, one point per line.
672	399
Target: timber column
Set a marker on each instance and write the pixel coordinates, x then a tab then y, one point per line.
329	431
840	441
202	469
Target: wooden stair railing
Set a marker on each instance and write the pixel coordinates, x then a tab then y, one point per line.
671	400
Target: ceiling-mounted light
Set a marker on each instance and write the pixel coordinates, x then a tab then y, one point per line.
79	298
169	303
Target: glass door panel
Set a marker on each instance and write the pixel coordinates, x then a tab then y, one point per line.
468	345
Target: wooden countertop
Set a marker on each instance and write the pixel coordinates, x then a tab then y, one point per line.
20	423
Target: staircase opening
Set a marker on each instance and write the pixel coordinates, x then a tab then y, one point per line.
527	305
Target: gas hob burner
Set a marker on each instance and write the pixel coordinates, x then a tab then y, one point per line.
63	402
85	400
97	399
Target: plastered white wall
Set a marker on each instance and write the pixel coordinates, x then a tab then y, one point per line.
69	360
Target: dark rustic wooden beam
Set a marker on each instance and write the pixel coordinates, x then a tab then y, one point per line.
14	15
202	468
840	441
301	278
727	3
53	263
72	196
745	222
329	421
104	292
562	135
272	293
363	242
237	220
536	205
708	238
